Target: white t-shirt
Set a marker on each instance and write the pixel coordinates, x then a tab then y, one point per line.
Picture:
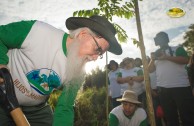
153	80
114	87
138	116
170	74
137	87
45	69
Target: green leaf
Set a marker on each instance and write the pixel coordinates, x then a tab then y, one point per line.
75	13
110	8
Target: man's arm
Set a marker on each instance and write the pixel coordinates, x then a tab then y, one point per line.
151	65
144	123
113	121
64	112
177	59
139	77
180	58
8	98
12	36
121	80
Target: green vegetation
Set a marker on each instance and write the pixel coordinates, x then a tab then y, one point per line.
53	98
189	39
90	107
90	103
109	9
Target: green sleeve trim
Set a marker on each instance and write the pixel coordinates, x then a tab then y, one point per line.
113	120
181	52
64	113
144	123
12	36
64	44
3	54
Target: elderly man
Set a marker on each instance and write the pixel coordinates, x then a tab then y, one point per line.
129	113
41	58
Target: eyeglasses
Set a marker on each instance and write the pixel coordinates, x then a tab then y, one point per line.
99	49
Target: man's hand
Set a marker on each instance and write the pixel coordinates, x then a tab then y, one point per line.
193	91
1	79
8	98
129	80
163	56
7	91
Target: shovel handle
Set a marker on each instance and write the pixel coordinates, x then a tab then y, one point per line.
16	112
19	117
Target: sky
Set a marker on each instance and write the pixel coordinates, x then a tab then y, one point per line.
152	14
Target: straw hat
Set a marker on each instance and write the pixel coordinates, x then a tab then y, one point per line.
100	25
129	96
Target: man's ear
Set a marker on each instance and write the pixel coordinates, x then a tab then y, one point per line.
83	32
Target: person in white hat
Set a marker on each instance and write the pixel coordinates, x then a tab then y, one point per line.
129	113
42	58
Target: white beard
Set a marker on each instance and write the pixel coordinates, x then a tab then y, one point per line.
75	65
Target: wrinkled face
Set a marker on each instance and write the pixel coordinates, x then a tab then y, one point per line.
129	108
85	47
91	45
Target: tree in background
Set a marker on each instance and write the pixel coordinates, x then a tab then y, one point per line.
97	79
90	107
189	39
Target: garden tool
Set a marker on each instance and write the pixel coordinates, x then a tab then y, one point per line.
8	98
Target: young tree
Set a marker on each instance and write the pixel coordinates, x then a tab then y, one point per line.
145	67
110	8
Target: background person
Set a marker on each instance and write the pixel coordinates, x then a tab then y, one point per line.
114	86
129	113
41	58
138	62
159	116
132	78
172	81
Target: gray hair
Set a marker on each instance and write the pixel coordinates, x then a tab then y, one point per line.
74	33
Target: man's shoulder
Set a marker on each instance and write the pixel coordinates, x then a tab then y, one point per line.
116	110
140	112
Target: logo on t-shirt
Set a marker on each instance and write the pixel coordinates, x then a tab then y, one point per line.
43	80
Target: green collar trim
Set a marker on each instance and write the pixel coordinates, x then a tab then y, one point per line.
64	44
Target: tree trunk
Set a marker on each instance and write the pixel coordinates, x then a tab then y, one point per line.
107	95
145	67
